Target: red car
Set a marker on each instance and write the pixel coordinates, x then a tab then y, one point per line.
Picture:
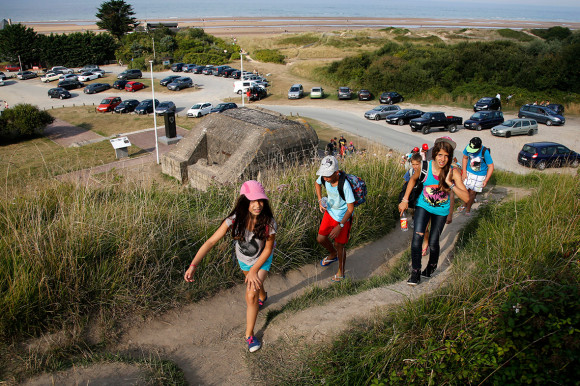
12	67
109	104
134	86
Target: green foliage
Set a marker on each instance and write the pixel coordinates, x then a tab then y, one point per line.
299	40
23	121
512	34
553	33
271	56
17	39
116	16
76	49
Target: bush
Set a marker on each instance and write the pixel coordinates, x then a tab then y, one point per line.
271	56
23	121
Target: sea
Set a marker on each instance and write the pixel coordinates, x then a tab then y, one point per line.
83	11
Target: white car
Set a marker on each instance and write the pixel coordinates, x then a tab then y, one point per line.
199	109
86	76
69	76
62	69
241	86
50	76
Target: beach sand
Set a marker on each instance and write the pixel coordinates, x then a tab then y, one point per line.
230	26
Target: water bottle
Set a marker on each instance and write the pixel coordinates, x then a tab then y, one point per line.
404	225
324	202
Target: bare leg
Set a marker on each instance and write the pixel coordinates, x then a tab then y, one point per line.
341	253
472	195
252	302
327	244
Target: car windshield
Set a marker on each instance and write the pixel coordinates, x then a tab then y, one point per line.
86	73
294	89
197	106
106	101
479	116
510	123
344	89
164	104
484	100
221	106
316	89
529	149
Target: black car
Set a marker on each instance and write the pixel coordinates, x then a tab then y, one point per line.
169	79
127	106
388	98
484	120
96	87
165	107
218	71
176	67
188	67
365	95
146	106
223	107
70	84
403	116
130	74
208	70
487	103
257	93
236	74
2	76
543	154
228	72
559	109
198	69
120	84
58	92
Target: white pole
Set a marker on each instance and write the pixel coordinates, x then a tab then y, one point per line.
153	48
19	61
242	74
154	111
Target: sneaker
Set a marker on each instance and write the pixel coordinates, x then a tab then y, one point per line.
428	271
415	277
253	344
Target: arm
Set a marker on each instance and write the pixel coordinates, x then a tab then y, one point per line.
252	279
404	205
204	250
451	207
488	175
318	189
454	179
464	167
336	231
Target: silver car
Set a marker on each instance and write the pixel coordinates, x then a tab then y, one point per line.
516	126
381	112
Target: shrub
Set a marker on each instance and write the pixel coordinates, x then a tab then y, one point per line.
23	121
511	34
271	56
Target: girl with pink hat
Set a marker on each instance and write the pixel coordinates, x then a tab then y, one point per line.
253	228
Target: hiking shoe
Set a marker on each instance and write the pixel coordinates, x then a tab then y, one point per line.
428	271
253	344
415	277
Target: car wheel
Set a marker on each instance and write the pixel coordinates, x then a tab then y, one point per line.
390	102
452	128
541	165
508	134
575	163
426	130
549	123
401	122
478	127
132	90
61	97
402	99
413	129
377	117
531	132
199	115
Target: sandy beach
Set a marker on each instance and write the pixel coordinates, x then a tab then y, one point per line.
230	26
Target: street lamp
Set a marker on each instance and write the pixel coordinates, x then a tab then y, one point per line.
242	73
20	61
154	111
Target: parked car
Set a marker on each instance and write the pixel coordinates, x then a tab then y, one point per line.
388	98
219	70
127	106
50	77
257	93
487	103
541	155
557	108
381	112
86	76
344	93
177	67
96	87
70	84
120	84
68	76
23	75
403	116
364	95
484	120
236	74
165	107
296	91
12	68
59	92
165	81
241	86
89	68
198	69
109	104
134	86
62	70
180	83
436	119
516	126
541	114
208	70
223	107
130	74
2	75
98	71
2	82
199	109
316	93
146	106
188	67
228	72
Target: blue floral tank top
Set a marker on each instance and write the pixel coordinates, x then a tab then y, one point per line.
433	199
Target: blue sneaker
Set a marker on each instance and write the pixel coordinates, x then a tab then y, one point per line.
253	344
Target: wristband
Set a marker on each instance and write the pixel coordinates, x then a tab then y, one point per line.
452	186
193	265
403	200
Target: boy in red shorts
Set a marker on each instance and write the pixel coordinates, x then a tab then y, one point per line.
337	210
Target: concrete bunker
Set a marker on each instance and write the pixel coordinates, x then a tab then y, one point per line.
236	145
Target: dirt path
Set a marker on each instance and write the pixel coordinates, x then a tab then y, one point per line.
198	336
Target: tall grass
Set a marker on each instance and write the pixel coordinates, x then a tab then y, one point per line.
510	313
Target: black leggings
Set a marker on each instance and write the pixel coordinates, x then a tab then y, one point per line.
421	220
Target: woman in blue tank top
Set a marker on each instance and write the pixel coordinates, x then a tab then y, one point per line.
433	204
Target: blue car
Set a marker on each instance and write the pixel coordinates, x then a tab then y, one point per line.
541	114
484	120
540	155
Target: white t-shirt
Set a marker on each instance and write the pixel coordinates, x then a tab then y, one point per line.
249	249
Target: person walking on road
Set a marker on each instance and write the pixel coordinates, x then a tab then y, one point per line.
477	168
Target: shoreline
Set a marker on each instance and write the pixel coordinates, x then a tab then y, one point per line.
227	26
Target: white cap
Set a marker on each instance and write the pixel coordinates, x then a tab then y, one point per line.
328	166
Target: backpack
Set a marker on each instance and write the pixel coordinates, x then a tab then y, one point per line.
417	189
357	184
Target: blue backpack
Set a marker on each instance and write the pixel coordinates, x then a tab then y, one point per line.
357	184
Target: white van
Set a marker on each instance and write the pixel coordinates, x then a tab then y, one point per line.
243	85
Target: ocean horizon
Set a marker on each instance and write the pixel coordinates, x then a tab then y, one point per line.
83	11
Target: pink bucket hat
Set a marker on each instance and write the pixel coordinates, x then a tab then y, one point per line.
253	190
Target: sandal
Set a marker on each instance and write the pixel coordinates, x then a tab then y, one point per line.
326	261
337	279
425	251
261	302
460	209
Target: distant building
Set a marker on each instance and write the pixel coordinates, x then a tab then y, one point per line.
5	23
153	26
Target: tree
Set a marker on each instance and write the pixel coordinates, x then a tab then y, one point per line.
116	16
23	121
17	39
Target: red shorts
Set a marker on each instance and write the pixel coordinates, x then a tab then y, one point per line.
328	224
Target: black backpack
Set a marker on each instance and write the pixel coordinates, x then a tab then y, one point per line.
417	189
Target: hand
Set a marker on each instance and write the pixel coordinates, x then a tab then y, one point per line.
484	183
320	207
463	175
403	206
335	232
253	281
449	219
189	274
449	178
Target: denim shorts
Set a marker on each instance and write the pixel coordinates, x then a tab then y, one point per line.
265	266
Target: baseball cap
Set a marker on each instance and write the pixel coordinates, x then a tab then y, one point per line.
415	150
328	166
253	190
448	140
474	145
425	147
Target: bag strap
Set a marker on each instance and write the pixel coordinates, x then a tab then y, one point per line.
341	180
424	170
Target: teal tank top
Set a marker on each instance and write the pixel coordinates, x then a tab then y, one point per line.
433	199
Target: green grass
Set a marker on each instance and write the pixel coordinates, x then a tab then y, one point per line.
512	34
518	255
